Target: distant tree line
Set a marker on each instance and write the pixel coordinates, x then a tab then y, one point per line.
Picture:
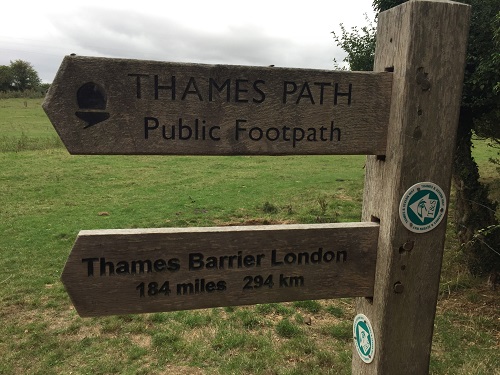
20	76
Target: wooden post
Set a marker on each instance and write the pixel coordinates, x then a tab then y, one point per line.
423	43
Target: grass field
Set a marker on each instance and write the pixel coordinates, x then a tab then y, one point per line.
47	196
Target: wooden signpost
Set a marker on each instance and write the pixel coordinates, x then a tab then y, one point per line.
403	115
424	44
147	270
148	107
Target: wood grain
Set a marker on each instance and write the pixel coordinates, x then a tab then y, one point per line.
216	109
225	266
424	43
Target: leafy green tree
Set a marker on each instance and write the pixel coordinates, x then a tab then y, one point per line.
477	227
44	87
381	5
5	78
25	77
359	46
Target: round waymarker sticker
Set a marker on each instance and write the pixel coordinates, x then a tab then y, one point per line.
364	340
422	207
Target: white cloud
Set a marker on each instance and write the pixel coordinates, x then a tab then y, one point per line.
291	33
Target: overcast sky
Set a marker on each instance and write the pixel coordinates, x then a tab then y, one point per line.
284	33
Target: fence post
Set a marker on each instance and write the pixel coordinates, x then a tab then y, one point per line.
423	42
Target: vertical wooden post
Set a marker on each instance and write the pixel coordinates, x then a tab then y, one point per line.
423	43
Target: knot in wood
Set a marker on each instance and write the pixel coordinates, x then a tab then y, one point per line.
422	79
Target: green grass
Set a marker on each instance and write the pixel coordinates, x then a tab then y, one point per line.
309	306
24	126
47	196
287	329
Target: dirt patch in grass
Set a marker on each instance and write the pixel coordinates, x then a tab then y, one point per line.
181	370
143	341
87	331
343	196
200	334
258	221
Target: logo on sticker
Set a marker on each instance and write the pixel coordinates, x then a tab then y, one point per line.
363	338
422	207
364	341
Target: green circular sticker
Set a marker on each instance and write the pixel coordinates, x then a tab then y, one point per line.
422	207
364	340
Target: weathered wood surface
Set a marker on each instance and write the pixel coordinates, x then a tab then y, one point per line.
118	106
108	270
424	43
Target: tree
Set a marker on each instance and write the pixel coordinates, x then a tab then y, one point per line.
44	87
24	76
381	5
359	46
476	225
5	78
